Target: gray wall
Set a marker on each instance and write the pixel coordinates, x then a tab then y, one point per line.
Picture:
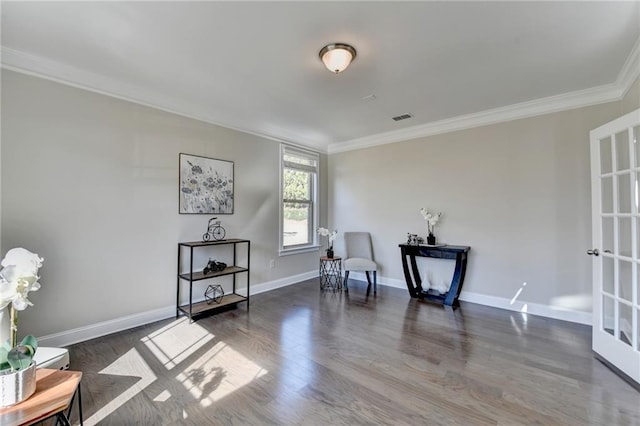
89	182
518	193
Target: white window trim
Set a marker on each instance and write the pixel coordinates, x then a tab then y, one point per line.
314	246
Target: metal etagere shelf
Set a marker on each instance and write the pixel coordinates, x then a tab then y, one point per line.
229	301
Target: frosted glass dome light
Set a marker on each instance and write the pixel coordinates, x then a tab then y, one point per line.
337	56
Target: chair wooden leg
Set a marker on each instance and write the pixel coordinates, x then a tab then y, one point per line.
369	282
375	282
346	280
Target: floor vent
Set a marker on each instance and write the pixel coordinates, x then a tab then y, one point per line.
402	117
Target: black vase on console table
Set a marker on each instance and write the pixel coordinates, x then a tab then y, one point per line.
431	239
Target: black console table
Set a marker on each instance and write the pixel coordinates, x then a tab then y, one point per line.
414	284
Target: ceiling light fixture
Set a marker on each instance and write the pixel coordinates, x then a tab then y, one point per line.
337	56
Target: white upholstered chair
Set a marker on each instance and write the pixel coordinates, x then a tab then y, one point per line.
359	257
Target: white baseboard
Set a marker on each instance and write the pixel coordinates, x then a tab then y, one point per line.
69	337
389	282
81	334
547	311
282	282
92	331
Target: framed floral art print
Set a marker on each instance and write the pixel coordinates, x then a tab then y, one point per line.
206	185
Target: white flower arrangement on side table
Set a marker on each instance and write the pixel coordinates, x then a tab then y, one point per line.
432	219
324	232
18	276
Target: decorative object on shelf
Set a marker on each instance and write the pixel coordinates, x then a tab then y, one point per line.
206	185
331	236
215	231
414	239
432	219
213	293
18	276
214	266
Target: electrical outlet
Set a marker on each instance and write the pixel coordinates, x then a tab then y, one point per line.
272	263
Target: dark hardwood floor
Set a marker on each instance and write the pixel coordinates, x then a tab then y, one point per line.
302	357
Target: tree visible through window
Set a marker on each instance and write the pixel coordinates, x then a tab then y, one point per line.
299	188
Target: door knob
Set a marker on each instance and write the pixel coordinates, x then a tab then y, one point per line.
593	252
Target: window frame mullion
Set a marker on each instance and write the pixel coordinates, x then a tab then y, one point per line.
312	168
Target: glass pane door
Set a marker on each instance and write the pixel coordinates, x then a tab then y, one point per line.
615	163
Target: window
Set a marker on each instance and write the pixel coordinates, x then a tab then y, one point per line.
298	198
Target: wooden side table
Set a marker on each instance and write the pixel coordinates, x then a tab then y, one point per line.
331	273
55	392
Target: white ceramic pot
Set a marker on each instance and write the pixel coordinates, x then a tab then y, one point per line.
17	386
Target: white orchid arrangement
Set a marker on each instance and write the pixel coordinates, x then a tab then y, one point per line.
431	218
18	277
324	232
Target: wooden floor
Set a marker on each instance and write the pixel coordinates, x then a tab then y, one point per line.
302	357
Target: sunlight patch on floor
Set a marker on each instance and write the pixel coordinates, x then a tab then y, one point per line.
162	396
218	373
176	341
130	364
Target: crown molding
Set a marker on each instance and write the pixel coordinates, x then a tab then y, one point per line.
630	70
48	69
37	66
601	94
25	63
582	98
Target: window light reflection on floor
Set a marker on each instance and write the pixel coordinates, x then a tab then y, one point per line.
297	368
131	364
162	396
219	372
176	341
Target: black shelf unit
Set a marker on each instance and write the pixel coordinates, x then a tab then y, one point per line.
229	301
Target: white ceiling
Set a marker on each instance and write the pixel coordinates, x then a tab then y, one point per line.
254	66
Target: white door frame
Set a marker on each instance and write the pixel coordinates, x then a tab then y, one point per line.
610	330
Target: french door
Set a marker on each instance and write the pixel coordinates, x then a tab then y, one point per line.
615	177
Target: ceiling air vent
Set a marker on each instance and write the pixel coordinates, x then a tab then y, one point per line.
402	117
